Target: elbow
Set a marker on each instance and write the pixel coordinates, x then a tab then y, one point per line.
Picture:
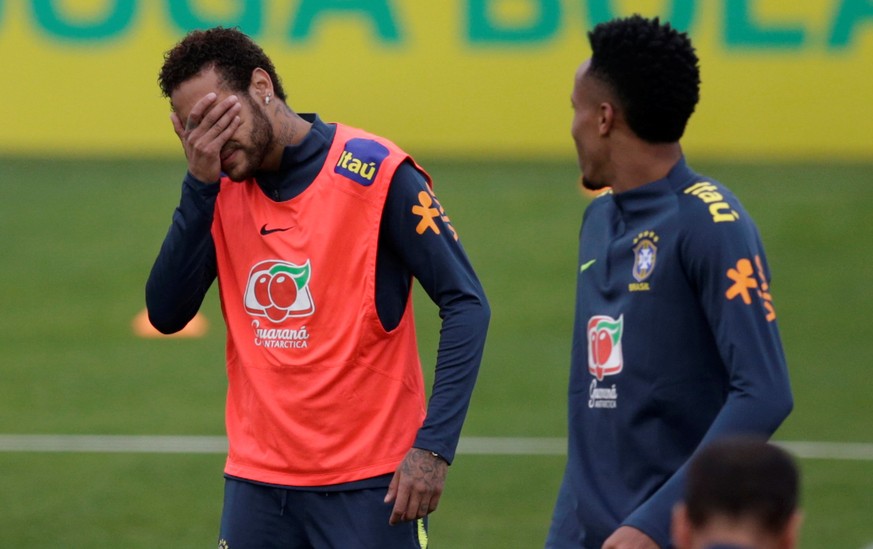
484	311
786	405
470	309
783	400
480	315
163	318
164	323
777	407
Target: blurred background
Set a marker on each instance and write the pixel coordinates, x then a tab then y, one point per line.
110	439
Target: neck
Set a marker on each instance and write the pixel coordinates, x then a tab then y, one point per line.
288	128
643	163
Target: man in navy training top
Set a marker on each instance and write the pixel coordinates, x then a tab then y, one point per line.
675	340
741	493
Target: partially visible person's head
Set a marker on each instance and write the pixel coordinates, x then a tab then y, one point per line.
739	490
652	70
232	54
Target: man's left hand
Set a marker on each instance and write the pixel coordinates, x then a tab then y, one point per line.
628	537
417	485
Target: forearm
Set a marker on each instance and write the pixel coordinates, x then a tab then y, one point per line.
185	266
462	341
758	412
435	257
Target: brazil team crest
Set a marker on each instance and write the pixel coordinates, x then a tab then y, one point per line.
604	345
645	255
279	290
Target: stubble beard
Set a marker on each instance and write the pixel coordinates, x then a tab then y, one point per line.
586	181
261	137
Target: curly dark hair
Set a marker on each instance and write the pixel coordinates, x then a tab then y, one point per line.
653	71
743	477
233	55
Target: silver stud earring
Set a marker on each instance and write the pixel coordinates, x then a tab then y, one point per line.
267	99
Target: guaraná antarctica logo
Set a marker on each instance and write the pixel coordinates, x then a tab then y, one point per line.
604	358
604	345
278	290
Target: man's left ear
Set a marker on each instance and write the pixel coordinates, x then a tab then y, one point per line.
262	86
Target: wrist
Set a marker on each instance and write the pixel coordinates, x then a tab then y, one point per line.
195	178
434	455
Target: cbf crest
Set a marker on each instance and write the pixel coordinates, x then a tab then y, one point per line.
645	258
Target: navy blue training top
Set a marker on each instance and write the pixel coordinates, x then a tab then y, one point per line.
675	344
186	267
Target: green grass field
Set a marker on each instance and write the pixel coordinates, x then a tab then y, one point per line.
78	239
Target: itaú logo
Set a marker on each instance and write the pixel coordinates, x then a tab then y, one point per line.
278	290
604	345
360	160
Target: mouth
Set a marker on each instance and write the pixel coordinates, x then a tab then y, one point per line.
228	154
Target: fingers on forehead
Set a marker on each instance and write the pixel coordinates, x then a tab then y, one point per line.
197	110
177	123
203	104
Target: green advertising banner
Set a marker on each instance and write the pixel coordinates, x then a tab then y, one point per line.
457	77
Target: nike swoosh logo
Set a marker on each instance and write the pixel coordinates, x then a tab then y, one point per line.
585	265
265	231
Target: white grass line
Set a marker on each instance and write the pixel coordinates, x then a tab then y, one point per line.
492	446
830	450
114	444
513	446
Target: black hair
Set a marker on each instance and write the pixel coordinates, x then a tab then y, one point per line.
653	71
743	477
231	53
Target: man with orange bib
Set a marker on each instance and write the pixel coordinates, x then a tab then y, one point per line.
314	232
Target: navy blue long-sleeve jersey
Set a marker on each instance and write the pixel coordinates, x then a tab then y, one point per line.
675	344
186	267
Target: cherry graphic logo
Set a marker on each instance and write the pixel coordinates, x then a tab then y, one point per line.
279	290
283	290
262	290
604	345
601	349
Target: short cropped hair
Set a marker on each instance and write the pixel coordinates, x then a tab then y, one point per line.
653	71
742	478
231	53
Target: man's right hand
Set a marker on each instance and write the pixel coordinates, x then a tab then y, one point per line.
208	127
